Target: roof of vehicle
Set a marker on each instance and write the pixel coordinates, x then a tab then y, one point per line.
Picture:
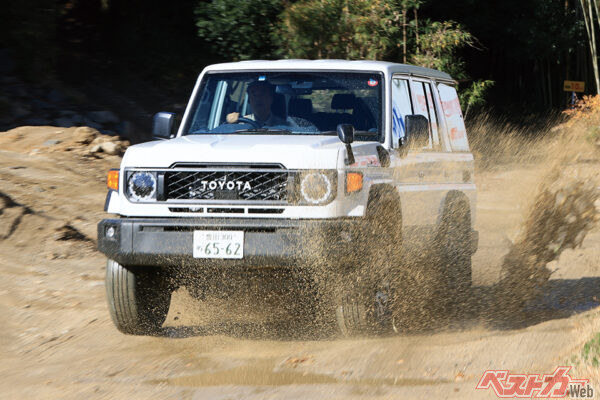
345	65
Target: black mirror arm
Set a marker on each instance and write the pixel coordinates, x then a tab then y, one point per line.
350	159
346	134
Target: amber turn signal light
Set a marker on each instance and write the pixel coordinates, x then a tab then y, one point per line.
112	181
354	182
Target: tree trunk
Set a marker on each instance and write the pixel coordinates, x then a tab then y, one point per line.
417	30
404	35
595	52
590	26
549	76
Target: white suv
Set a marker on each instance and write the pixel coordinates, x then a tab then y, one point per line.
325	167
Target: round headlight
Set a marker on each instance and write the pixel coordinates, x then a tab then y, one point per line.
315	187
141	186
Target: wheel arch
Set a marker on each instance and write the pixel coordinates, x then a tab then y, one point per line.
380	191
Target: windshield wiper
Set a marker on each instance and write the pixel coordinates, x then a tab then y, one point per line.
363	133
263	130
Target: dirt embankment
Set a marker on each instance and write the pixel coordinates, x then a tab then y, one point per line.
51	179
58	341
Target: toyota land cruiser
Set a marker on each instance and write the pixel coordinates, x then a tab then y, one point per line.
326	165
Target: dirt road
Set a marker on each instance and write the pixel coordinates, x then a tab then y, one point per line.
57	340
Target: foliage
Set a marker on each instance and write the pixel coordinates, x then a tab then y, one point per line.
437	48
529	46
362	29
586	113
587	109
438	44
239	30
349	29
591	351
474	95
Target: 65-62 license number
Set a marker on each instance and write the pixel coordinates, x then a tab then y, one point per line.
218	244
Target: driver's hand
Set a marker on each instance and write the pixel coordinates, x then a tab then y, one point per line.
232	118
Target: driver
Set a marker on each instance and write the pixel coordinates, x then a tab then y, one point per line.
260	97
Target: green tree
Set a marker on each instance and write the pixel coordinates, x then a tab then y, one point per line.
371	29
377	29
239	30
352	29
437	47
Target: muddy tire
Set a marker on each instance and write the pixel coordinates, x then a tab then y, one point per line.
138	300
433	286
351	315
367	312
454	257
362	306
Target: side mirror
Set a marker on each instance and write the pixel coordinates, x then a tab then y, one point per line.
417	131
162	125
346	134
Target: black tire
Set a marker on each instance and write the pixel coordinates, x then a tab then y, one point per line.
454	247
138	299
432	286
351	315
362	295
364	311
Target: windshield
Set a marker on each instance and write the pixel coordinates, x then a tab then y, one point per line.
290	103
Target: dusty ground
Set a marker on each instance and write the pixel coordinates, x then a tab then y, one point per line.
57	340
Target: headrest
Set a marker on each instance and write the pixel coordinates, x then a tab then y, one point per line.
300	106
343	101
278	107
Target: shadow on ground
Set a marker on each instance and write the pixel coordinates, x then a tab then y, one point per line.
561	298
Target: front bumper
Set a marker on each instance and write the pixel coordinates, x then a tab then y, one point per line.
168	242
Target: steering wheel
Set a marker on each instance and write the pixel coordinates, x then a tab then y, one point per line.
244	120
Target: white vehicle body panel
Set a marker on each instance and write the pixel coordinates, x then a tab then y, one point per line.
422	179
295	152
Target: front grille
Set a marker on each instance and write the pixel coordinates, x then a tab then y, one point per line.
244	185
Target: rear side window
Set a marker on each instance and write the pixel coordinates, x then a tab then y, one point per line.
401	107
424	105
454	118
433	118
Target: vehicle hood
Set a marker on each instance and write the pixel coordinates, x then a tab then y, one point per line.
293	152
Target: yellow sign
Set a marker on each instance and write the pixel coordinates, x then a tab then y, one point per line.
574	86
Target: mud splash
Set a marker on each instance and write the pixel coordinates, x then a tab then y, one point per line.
559	213
564	211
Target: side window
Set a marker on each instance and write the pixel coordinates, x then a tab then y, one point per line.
401	107
425	106
454	119
433	118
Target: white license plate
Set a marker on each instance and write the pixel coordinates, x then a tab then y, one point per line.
218	244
